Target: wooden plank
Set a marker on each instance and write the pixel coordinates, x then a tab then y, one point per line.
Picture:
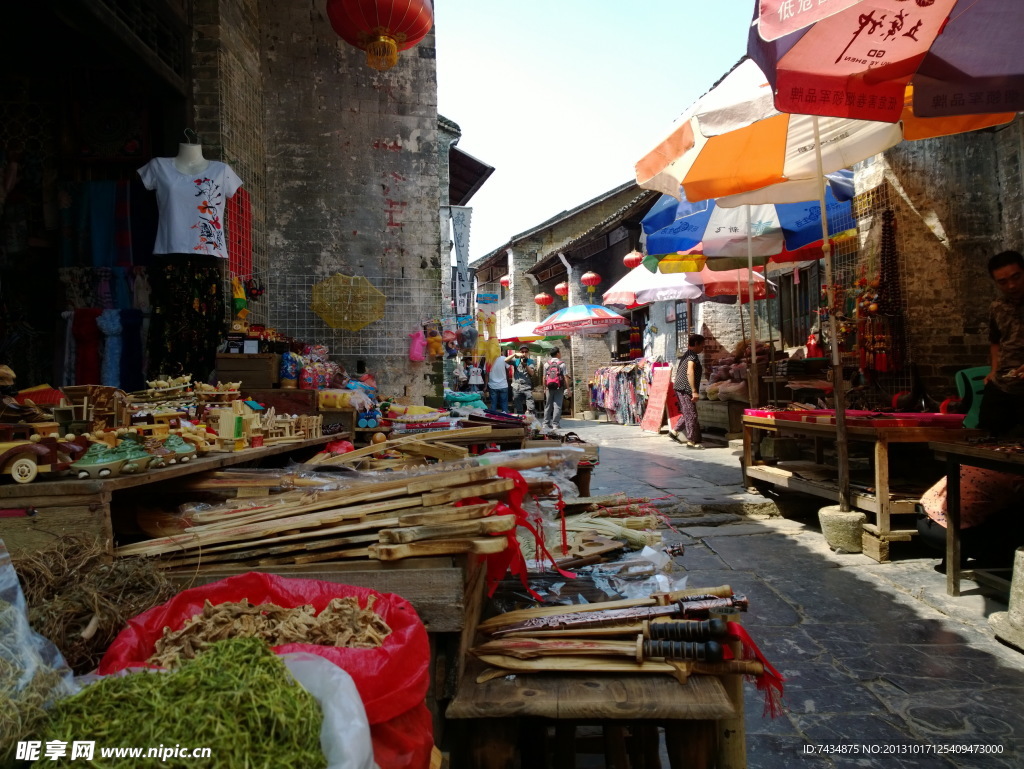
582	695
441	451
442	480
268	550
875	547
499	486
439	547
491	525
443	514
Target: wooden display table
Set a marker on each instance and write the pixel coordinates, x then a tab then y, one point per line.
956	456
509	712
37	512
881	502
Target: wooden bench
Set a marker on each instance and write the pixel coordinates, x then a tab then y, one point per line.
702	719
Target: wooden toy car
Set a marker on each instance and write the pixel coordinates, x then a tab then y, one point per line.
24	454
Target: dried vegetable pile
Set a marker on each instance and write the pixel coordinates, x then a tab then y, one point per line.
342	623
237	696
415	514
81	601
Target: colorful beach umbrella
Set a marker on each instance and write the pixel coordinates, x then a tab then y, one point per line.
581	318
777	232
857	59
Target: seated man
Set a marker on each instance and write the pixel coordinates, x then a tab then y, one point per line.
991	520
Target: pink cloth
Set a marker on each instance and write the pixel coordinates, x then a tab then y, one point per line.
983	493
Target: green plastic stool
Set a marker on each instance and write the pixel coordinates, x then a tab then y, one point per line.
970	382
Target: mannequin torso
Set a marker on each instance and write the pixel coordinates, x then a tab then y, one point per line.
190	160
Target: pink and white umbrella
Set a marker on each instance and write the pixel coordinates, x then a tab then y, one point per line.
581	318
669	285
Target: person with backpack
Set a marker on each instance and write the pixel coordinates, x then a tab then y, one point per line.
686	383
554	390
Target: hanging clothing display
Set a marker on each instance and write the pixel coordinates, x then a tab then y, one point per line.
191	206
187	322
622	390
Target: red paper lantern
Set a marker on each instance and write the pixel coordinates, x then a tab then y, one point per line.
505	281
562	289
543	299
591	281
632	259
382	28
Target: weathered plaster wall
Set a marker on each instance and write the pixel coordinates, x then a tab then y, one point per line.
352	187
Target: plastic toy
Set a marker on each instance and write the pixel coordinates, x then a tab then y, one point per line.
435	346
417	345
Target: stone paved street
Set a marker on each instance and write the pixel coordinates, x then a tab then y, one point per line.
873	654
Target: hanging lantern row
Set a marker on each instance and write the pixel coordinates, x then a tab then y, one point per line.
543	299
505	281
632	259
562	289
591	280
382	28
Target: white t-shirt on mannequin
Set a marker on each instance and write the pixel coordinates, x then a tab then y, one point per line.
191	192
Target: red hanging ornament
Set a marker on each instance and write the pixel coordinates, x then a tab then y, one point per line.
632	259
562	289
543	299
591	280
505	281
382	28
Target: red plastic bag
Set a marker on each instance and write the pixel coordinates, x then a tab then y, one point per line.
392	678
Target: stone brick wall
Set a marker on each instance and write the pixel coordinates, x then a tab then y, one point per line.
958	203
352	187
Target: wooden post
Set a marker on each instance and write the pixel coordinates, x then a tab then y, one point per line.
732	735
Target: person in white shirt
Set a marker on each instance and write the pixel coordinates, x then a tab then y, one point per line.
498	384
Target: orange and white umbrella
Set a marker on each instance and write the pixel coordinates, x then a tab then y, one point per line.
734	145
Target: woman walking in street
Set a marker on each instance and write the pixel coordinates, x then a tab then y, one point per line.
686	383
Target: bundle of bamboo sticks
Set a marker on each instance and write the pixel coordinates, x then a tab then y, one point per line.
385	520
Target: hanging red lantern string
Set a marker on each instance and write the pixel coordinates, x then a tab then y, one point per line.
591	280
382	28
632	259
562	289
505	281
543	299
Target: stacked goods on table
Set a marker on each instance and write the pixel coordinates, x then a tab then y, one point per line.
440	509
414	448
672	633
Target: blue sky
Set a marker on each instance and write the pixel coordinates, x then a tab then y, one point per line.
562	97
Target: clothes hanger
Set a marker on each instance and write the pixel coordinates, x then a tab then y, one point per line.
189	139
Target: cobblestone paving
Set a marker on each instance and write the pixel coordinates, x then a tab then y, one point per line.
876	656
